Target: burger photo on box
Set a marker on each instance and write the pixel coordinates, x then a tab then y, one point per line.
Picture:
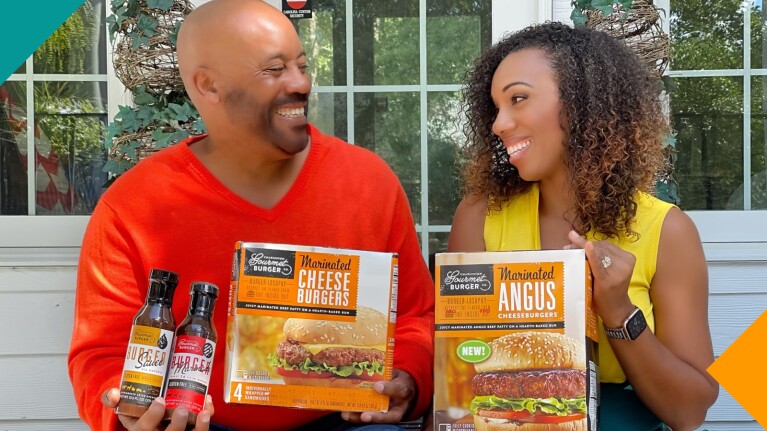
532	381
331	353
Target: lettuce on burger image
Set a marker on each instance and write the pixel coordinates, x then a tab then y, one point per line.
331	353
532	381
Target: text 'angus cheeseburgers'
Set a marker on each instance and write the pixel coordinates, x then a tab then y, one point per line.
532	381
331	353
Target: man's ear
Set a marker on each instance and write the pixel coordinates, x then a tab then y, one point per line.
206	85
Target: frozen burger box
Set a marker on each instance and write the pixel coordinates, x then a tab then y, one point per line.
515	342
310	327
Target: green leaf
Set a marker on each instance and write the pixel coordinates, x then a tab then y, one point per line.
183	112
159	4
173	36
179	135
138	40
117	4
578	17
606	10
147	25
142	97
161	139
199	126
597	4
130	149
128	120
144	114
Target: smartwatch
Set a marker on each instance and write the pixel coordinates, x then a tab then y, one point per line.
632	327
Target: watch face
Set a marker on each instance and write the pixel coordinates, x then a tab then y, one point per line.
636	325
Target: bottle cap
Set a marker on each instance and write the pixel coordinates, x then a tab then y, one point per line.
205	287
162	285
163	276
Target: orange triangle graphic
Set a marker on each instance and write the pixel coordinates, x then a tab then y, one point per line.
740	369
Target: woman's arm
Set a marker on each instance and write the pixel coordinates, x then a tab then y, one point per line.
678	388
668	368
467	231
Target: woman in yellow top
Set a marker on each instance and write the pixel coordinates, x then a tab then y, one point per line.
565	132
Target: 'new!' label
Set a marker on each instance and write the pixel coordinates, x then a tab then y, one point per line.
473	351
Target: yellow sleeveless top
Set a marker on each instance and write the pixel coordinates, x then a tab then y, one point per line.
516	227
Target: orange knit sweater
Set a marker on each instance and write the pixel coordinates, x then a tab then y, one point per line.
169	212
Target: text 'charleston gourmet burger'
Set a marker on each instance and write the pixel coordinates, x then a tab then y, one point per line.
333	354
532	381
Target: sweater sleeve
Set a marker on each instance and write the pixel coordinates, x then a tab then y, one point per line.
106	301
414	336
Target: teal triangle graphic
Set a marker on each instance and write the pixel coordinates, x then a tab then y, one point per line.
26	26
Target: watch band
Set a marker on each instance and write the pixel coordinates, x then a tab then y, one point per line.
632	327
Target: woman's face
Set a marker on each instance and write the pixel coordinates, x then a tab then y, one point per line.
529	122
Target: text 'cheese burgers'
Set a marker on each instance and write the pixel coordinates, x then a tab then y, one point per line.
333	354
532	381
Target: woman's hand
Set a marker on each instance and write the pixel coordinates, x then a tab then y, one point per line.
612	268
401	391
151	420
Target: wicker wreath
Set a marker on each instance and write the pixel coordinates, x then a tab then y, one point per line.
152	65
640	28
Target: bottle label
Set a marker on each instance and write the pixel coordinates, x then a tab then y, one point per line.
146	364
189	373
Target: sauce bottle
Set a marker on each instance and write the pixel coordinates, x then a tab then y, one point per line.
193	351
149	348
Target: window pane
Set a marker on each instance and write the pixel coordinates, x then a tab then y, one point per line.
438	242
707	114
758	147
388	123
758	41
710	40
324	39
327	111
13	148
449	56
71	121
386	48
22	68
445	137
78	46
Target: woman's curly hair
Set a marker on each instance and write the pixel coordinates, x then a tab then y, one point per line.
614	128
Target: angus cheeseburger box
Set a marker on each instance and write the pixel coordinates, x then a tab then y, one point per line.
310	327
515	342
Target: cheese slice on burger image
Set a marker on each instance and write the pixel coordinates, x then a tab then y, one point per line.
532	381
331	353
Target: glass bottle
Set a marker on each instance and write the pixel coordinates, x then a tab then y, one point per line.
149	348
193	351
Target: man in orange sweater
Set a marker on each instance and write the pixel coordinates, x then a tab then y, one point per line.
261	174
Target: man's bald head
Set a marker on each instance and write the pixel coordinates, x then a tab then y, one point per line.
217	34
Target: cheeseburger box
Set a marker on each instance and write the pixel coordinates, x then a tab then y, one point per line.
515	342
310	327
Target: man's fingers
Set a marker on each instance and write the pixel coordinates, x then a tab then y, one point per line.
110	398
151	419
203	419
394	415
353	417
394	389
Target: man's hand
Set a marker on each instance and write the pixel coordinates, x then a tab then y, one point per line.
152	419
401	391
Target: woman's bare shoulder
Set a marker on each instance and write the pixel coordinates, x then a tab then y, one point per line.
467	231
